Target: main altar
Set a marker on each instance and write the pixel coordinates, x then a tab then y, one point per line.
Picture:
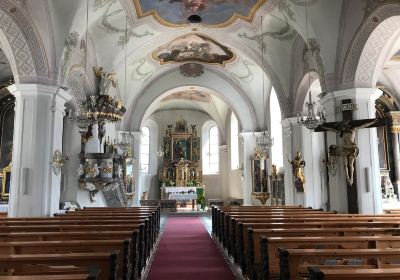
180	175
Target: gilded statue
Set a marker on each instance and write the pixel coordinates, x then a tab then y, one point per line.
107	79
298	165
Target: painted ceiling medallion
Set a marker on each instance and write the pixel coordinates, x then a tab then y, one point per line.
192	70
214	13
194	47
190	95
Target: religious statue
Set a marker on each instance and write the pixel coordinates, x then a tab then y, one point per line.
331	163
298	165
349	149
107	80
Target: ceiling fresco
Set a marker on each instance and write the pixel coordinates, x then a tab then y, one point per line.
217	13
194	47
190	95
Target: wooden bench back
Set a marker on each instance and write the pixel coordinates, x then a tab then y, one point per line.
292	260
106	262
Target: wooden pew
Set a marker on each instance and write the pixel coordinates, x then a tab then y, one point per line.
142	254
105	262
354	274
82	236
120	247
257	234
267	249
152	225
215	212
292	261
244	238
224	221
50	277
239	227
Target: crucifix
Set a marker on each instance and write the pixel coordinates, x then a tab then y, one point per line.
349	149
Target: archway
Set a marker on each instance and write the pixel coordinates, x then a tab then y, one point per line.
23	46
212	80
371	47
204	117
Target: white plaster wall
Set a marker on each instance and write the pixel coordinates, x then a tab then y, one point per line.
315	189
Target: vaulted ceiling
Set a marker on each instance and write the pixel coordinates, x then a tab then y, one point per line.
142	41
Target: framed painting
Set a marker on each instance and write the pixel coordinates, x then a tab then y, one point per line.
382	148
182	149
6	181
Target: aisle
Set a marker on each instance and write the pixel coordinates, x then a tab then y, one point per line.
187	252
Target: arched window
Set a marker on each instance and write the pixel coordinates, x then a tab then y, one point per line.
210	144
145	150
234	142
213	151
276	130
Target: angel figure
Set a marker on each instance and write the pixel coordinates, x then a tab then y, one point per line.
107	79
298	165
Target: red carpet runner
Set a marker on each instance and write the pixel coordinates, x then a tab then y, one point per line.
187	252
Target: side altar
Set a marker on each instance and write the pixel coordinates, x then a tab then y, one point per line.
180	175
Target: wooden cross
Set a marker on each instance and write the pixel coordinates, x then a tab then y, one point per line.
349	150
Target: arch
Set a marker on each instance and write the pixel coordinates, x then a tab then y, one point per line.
366	51
23	46
302	90
212	81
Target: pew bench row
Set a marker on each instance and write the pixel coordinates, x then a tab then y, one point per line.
281	243
117	242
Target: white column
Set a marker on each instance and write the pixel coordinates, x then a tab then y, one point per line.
224	164
136	170
367	163
313	148
337	182
38	129
292	142
249	145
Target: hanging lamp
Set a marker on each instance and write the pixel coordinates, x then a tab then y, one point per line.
313	119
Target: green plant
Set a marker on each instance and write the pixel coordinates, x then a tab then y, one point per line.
202	201
192	183
169	183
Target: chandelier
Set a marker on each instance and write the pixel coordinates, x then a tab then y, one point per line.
264	142
312	120
125	143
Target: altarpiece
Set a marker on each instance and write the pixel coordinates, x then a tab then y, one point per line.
181	157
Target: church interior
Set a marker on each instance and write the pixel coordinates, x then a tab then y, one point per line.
192	139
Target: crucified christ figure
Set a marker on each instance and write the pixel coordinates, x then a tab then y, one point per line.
349	148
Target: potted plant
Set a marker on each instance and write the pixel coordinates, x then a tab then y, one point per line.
201	202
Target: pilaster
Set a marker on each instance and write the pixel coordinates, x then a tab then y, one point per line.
367	163
136	168
249	146
38	127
